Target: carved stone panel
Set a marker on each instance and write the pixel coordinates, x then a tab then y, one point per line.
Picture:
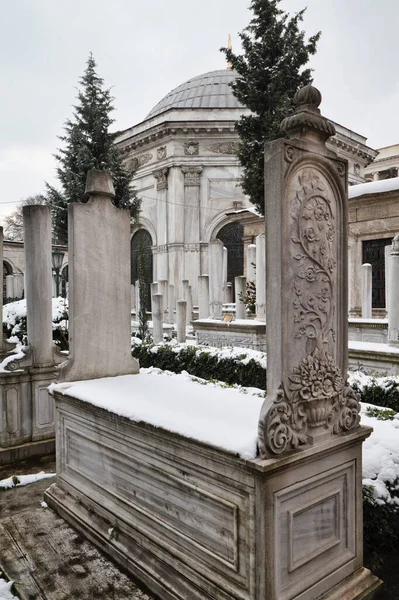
140	161
223	148
12	410
191	148
308	396
161	152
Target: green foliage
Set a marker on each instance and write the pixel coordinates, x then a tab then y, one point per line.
380	525
88	144
269	73
382	414
386	395
201	363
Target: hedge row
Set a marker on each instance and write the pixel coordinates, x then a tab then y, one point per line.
201	363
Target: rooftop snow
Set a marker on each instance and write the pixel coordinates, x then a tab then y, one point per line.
373	187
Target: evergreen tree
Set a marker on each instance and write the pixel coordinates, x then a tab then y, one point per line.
88	144
269	73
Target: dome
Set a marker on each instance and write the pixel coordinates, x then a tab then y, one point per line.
210	90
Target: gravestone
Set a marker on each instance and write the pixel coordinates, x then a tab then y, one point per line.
366	274
181	320
215	279
203	296
99	285
157	318
241	290
251	263
261	277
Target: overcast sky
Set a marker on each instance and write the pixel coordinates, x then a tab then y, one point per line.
145	48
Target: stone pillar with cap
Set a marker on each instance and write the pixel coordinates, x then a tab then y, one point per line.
309	427
99	285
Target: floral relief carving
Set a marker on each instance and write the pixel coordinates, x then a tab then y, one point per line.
314	396
313	250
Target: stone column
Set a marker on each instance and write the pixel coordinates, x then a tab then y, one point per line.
366	291
163	288
153	290
137	293
241	288
387	256
216	278
225	256
181	319
251	263
261	277
229	293
203	296
161	176
188	298
38	281
18	285
192	220
132	297
99	289
157	318
172	303
10	286
393	291
351	276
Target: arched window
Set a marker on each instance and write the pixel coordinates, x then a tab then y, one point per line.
141	260
231	236
7	270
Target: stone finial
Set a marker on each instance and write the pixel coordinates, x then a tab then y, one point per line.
307	118
99	183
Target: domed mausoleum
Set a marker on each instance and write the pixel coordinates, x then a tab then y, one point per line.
188	176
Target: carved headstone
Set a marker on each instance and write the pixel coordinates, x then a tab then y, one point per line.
99	285
306	272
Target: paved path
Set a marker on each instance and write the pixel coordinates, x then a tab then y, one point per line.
46	557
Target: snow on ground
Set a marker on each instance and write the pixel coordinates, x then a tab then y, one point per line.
223	417
5	590
21	480
381	456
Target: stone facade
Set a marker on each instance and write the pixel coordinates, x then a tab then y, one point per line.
373	215
188	175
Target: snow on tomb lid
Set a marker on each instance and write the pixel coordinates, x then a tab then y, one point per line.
225	418
210	90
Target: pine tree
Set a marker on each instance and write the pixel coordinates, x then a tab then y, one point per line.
88	144
269	73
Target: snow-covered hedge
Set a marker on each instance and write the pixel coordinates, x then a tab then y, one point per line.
239	366
14	321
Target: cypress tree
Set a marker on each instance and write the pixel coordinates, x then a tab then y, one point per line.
88	144
269	73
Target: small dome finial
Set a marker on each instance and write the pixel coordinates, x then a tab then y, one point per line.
307	119
229	47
